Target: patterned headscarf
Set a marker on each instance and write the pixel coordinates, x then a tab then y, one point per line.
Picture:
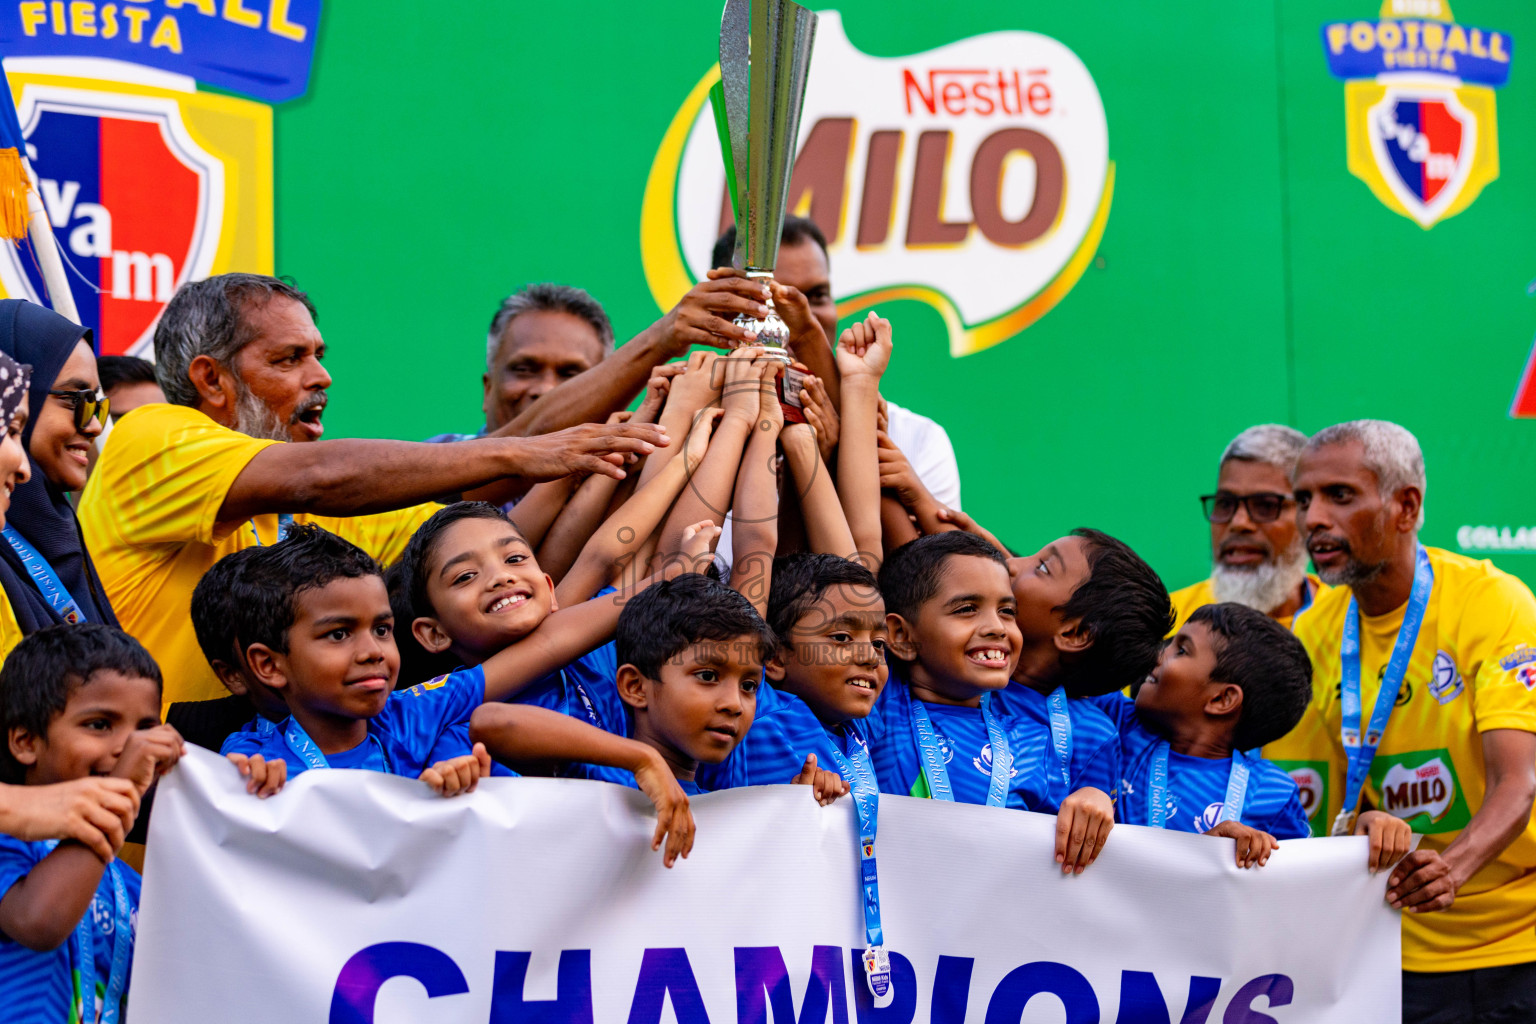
14	381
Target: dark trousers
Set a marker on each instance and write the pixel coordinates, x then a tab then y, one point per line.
1490	995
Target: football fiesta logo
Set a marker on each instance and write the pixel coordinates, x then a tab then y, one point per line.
1419	113
974	178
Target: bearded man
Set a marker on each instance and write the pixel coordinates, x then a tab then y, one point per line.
1258	556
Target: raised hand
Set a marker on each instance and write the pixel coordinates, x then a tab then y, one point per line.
703	316
589	448
696	445
821	414
1253	846
698	545
96	812
864	350
739	392
696	387
263	778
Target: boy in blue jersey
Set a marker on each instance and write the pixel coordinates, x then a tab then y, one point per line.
941	730
1231	680
828	671
691	653
75	701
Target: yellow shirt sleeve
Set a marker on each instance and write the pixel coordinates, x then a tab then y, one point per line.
384	534
1498	636
162	479
1185	602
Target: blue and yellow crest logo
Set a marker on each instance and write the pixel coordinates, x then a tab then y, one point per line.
1419	115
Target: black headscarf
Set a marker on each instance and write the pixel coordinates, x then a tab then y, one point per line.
39	511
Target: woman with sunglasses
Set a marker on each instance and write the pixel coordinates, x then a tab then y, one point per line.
45	570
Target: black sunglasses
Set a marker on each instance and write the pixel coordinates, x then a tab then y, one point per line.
1264	507
89	404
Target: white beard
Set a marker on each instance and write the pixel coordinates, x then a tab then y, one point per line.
255	418
1265	587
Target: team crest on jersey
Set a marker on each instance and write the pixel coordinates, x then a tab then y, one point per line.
1527	676
1209	818
1445	682
983	763
1523	654
1420	117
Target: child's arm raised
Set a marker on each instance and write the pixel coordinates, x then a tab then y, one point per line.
627	530
1082	828
863	352
1253	846
708	493
897	477
541	506
755	507
693	387
826	526
569	633
523	733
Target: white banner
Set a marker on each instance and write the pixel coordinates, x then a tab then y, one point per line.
355	896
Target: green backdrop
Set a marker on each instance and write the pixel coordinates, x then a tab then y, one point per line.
446	155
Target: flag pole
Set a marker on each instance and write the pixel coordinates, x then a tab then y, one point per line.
46	246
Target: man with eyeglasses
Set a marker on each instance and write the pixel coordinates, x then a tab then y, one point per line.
1258	556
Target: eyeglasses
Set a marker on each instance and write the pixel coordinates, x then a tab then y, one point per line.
1264	507
89	404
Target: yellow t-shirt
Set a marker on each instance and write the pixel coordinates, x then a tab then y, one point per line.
1473	669
10	629
149	514
1197	594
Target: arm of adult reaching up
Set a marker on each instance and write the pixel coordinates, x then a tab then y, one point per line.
701	317
359	477
1427	880
863	352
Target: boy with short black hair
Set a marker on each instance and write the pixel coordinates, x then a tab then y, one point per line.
1229	681
691	654
215	603
75	701
945	730
825	676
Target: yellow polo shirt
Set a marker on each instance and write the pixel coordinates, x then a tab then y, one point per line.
1203	593
149	514
10	629
1473	669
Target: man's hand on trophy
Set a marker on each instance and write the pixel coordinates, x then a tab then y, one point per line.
703	316
805	333
864	350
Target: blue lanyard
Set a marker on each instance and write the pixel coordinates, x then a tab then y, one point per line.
1061	733
931	755
1361	751
284	524
47	581
308	751
858	769
84	942
1157	788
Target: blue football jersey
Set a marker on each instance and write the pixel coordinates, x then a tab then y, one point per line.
784	731
1197	786
1091	738
39	988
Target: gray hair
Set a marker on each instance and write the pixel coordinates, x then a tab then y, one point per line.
549	298
1390	451
207	318
1273	444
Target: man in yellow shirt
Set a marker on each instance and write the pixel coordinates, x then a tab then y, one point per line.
1424	690
178	486
1257	555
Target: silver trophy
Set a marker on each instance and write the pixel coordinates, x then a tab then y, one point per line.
765	59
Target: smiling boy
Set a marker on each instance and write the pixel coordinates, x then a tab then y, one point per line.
75	702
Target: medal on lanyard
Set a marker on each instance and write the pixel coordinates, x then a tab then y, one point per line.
284	524
308	751
58	597
1157	788
1061	733
856	768
85	952
931	754
1360	751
